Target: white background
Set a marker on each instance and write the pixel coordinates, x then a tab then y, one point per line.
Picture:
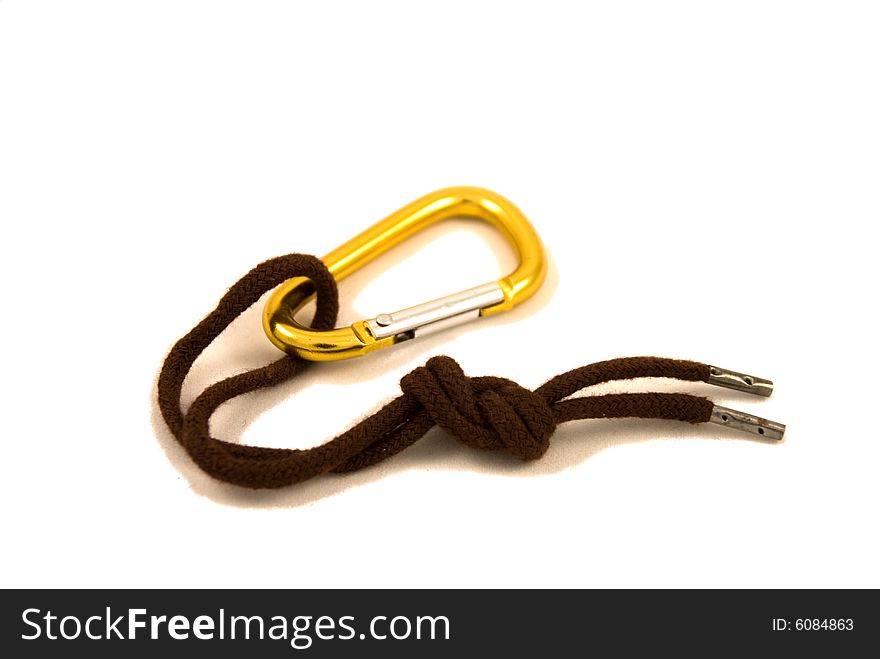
705	179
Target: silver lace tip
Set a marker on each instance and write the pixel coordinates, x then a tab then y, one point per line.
749	423
750	384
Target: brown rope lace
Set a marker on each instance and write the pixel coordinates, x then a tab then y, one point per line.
482	412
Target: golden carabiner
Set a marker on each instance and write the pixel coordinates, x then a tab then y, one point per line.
387	329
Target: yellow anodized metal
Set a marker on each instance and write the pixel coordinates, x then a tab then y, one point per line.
385	330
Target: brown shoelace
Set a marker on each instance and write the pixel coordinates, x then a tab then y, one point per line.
482	412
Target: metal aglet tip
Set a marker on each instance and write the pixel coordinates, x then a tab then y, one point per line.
755	425
750	384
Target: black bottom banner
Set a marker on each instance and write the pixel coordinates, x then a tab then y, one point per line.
319	623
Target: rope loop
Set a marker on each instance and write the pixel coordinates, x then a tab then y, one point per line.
488	413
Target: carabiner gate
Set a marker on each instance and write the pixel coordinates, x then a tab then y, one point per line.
387	329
